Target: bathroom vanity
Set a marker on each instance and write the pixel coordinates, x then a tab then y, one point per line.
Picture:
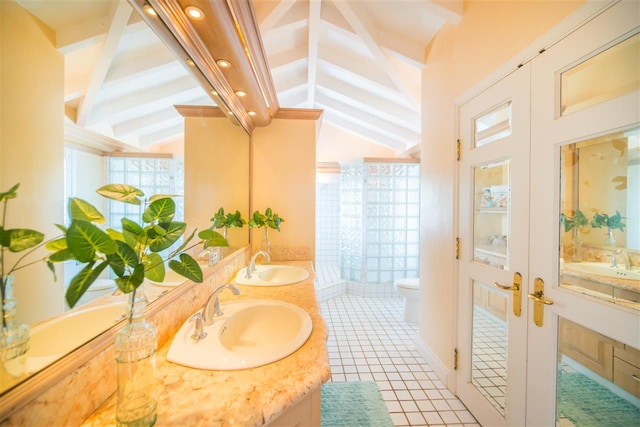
285	392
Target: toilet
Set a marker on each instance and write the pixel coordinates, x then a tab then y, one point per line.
410	290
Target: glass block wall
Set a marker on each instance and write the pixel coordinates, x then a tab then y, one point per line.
379	222
328	221
152	176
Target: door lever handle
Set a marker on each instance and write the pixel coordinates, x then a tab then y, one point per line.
539	301
517	292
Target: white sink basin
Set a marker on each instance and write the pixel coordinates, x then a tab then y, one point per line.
272	275
603	269
52	340
251	333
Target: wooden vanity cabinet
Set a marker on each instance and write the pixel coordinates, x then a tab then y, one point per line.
612	360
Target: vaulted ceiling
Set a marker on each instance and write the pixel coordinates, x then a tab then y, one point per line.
358	60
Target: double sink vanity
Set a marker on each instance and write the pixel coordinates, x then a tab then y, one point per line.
260	361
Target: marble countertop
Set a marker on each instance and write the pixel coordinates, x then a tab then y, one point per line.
249	397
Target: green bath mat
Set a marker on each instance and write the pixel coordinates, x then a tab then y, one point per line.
353	404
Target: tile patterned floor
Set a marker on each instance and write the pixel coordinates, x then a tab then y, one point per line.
369	341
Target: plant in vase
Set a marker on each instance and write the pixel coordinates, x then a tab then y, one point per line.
224	221
132	254
266	220
578	223
14	337
613	222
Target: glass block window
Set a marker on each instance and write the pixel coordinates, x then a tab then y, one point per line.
380	216
152	175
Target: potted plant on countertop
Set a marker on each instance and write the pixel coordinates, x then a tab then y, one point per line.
224	221
266	220
14	336
578	223
613	222
132	254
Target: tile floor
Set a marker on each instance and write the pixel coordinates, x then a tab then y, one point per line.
369	341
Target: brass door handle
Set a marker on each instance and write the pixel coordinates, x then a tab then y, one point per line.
539	301
517	293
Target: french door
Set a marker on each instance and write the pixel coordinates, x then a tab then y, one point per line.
549	277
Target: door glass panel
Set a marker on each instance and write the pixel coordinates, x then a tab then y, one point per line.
600	217
610	73
492	126
597	379
489	344
492	213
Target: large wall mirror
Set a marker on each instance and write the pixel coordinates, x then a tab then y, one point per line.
115	87
600	230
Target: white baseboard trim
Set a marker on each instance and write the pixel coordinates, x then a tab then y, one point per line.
440	369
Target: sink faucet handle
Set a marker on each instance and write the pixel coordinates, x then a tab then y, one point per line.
211	308
198	333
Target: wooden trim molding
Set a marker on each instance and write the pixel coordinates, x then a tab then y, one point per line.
298	113
199	111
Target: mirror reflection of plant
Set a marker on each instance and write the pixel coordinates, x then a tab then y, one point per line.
132	253
613	222
579	221
268	219
230	220
16	240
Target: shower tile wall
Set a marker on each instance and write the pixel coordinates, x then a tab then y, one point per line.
379	225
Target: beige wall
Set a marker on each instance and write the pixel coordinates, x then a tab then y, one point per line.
339	145
32	147
216	173
489	34
283	168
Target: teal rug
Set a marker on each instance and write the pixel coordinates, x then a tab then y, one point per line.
353	404
588	404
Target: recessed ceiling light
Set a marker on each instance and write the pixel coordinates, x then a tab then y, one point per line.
241	93
149	10
190	62
215	93
223	63
194	12
251	113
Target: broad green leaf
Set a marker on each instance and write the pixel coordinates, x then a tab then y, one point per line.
12	193
128	284
154	267
21	239
187	267
53	270
61	255
123	257
85	239
163	196
4	237
85	211
81	282
161	210
133	234
212	238
173	231
61	227
57	244
121	192
115	234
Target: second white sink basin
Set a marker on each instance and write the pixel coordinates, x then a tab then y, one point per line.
603	269
250	333
272	275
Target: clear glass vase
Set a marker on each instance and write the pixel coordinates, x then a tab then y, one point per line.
610	240
577	246
266	244
14	340
135	347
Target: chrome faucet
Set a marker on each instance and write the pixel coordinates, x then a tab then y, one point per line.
211	308
626	257
213	258
251	268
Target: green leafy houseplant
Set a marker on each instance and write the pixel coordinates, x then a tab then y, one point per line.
579	220
267	219
611	222
132	253
230	220
15	240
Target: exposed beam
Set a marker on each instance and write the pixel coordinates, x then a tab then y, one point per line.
314	40
278	12
364	32
116	29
